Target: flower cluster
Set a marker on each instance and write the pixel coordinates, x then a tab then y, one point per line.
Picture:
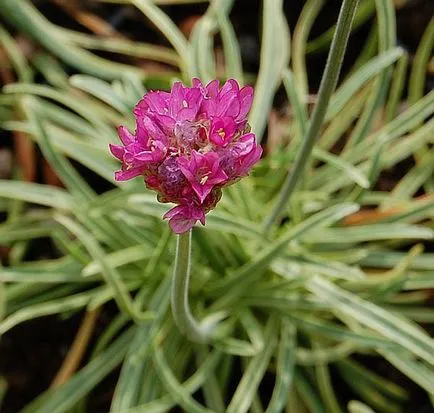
188	144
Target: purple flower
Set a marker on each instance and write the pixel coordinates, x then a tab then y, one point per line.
222	130
137	154
240	157
230	100
203	172
188	144
183	217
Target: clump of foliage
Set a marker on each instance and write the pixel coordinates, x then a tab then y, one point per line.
344	274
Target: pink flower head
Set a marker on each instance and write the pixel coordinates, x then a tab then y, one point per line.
189	143
203	172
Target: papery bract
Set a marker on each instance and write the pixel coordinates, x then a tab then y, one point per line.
183	217
188	144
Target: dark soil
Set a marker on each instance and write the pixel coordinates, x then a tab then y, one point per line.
32	353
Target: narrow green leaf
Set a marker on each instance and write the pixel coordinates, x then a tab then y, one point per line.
51	69
36	193
16	56
370	394
122	46
355	406
284	368
191	385
101	90
310	12
236	347
297	103
203	47
308	393
66	172
325	385
273	59
386	323
418	73
323	356
365	376
387	40
248	386
356	81
231	48
172	385
417	371
383	258
235	286
128	387
73	302
168	28
354	173
364	13
374	232
24	15
109	273
119	258
397	87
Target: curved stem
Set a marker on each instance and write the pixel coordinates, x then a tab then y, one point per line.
182	316
327	87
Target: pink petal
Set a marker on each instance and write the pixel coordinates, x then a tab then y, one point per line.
222	130
186	168
190	105
129	174
117	151
198	158
230	85
246	96
249	160
165	122
156	101
180	224
142	135
193	97
125	135
229	104
155	154
209	107
202	191
145	156
212	88
176	98
197	83
245	144
187	114
152	129
174	211
182	218
141	108
160	150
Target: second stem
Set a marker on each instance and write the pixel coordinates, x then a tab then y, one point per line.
327	87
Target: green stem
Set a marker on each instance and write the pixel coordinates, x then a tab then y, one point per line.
182	316
327	87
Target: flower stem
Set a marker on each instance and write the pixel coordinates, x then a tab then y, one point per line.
327	87
184	320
